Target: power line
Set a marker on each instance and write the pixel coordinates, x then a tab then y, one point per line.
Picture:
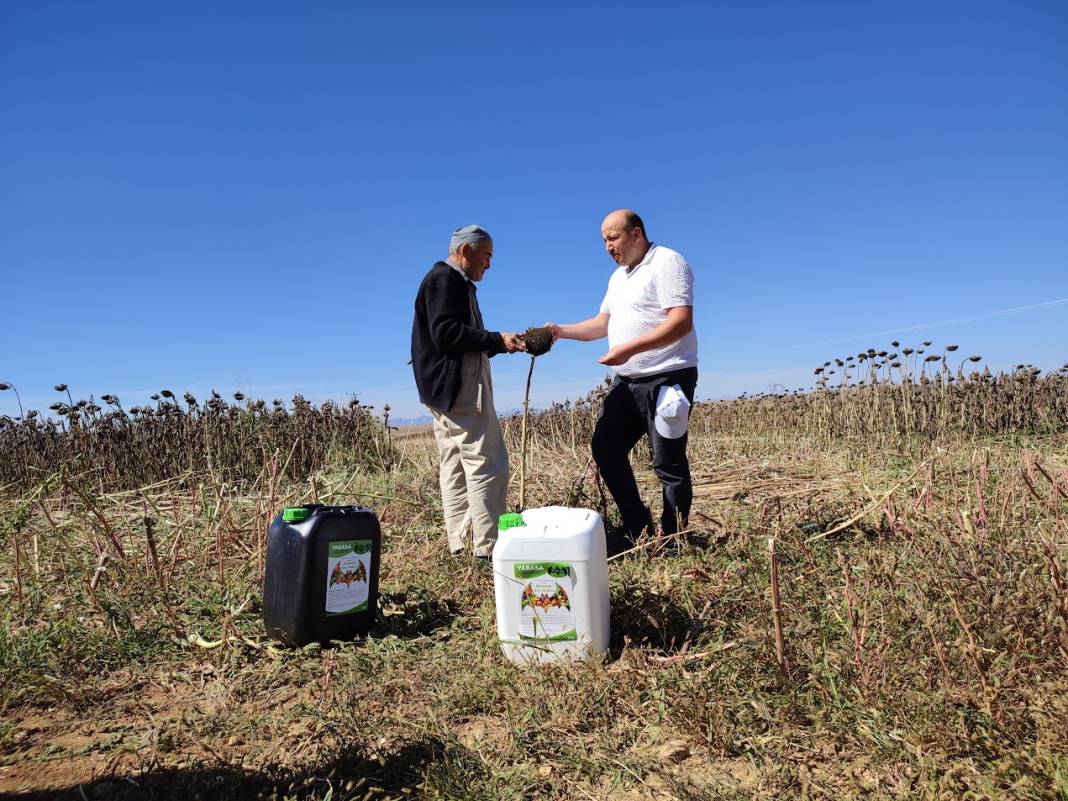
938	324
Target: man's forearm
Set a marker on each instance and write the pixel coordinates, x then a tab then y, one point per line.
586	331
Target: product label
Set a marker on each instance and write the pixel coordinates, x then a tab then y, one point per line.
348	566
545	605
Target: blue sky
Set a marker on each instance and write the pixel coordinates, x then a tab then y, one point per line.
246	195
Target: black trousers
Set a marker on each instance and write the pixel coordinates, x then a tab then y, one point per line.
628	414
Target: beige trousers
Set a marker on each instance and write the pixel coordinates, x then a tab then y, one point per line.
473	461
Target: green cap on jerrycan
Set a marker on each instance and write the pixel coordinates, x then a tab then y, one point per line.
510	520
294	514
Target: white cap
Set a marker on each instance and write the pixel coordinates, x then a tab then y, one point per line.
672	412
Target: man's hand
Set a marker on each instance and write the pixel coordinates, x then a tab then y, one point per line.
555	330
618	355
678	324
513	343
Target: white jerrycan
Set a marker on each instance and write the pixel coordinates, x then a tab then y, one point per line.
550	577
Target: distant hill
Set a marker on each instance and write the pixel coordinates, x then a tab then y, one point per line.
407	422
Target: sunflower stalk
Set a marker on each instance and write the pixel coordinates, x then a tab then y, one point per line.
523	441
537	341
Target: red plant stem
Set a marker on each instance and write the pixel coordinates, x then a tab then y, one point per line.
851	612
776	605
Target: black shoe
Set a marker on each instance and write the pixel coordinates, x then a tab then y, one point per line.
617	542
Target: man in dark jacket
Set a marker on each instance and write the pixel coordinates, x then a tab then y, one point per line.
450	350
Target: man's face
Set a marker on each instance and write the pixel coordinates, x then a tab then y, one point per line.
476	259
626	247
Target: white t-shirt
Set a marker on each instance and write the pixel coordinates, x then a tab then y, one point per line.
636	303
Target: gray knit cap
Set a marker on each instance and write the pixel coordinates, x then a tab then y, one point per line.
468	235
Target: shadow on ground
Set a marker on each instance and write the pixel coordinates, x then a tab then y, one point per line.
347	776
651	621
411	614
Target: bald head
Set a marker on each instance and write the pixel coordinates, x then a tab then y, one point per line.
624	237
627	219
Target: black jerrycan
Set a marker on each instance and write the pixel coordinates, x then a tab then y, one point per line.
321	579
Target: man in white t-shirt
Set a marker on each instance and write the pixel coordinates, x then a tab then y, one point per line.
647	315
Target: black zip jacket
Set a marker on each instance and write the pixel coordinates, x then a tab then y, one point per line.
447	324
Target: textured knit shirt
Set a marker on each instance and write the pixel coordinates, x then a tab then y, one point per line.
637	301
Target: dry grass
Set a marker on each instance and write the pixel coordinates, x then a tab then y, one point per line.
925	628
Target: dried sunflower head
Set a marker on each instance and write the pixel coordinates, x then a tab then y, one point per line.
538	340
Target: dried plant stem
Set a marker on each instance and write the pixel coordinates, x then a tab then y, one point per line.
857	631
878	502
150	538
219	552
974	653
161	582
776	605
1060	591
18	570
1031	486
101	568
523	441
651	542
103	522
1056	487
938	651
56	535
671	660
577	484
602	499
267	517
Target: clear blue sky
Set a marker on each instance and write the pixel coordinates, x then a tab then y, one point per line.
246	195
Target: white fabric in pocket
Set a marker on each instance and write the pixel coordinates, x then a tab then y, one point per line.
672	412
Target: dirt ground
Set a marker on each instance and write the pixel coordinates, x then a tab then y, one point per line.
689	705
